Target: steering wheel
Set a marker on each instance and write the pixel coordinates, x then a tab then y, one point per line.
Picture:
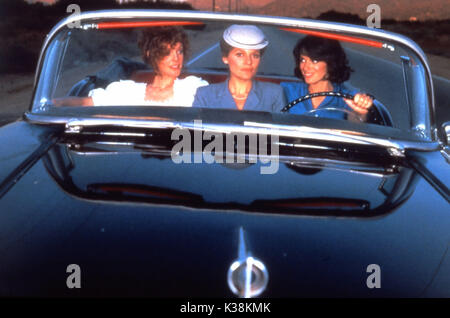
337	94
342	110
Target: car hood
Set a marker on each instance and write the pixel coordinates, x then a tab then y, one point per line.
138	224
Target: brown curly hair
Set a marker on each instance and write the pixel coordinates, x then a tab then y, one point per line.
156	40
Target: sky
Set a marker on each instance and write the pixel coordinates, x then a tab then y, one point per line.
53	1
398	9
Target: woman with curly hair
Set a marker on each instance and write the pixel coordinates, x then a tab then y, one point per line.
164	49
323	66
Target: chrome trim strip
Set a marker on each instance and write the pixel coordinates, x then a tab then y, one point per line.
282	21
398	146
123	134
323	134
10	180
446	154
74	126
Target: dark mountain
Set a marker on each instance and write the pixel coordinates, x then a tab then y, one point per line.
390	9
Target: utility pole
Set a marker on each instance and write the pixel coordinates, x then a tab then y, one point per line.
214	5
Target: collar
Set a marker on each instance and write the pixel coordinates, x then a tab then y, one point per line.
253	98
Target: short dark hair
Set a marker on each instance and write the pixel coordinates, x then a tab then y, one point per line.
326	50
225	48
155	40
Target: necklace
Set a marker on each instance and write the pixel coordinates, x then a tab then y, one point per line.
157	93
239	98
234	91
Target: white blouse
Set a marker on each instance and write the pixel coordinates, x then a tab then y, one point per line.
131	93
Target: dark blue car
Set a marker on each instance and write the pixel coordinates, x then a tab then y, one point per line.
171	201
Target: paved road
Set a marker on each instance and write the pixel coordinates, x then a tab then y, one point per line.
442	97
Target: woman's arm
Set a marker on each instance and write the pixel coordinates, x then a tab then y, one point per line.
361	104
73	101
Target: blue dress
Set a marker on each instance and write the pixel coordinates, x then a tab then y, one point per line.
294	90
263	96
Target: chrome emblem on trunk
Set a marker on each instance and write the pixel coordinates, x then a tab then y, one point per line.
247	276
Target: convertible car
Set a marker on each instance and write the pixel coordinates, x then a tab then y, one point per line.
135	200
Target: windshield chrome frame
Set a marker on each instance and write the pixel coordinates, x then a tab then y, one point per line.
396	147
224	17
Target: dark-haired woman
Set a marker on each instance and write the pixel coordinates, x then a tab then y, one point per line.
323	67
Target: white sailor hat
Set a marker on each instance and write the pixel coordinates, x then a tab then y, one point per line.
245	37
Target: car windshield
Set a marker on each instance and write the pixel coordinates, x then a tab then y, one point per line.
82	63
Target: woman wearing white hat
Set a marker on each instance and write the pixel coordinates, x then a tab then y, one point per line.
242	47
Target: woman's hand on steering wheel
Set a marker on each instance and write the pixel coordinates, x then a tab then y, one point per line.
361	103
